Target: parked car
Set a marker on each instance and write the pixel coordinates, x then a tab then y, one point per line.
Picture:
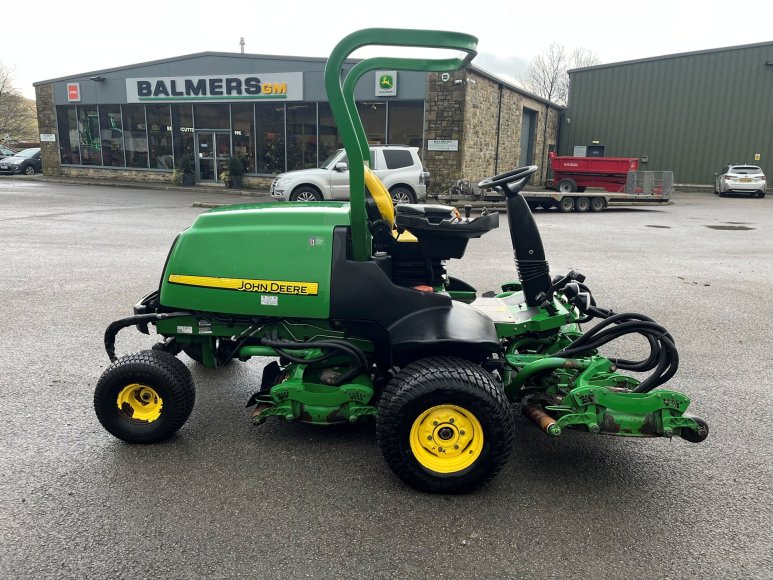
747	179
5	152
398	167
26	161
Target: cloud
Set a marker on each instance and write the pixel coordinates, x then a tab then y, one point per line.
510	68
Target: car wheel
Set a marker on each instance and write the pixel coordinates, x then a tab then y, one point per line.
305	193
566	205
402	195
29	170
567	186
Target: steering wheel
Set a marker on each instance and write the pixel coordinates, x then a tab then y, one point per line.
504	179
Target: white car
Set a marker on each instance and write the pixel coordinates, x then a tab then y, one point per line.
398	167
740	179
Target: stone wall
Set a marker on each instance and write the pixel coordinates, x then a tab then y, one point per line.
470	109
444	119
148	176
49	152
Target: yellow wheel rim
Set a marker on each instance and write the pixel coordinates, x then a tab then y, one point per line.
446	439
140	403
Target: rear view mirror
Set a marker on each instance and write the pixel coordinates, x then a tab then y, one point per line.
341	167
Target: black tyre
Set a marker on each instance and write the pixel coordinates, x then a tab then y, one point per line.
566	205
444	425
696	436
581	204
29	170
144	397
598	204
305	193
402	195
567	186
761	194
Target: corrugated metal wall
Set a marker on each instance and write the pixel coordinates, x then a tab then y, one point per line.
690	114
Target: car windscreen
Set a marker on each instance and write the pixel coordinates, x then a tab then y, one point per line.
745	170
27	153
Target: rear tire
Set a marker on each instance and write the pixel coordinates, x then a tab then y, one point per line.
444	425
402	195
567	186
598	204
566	205
144	397
582	204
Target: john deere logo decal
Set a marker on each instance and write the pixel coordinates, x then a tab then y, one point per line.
386	83
243	285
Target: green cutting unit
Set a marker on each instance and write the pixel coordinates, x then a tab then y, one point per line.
354	304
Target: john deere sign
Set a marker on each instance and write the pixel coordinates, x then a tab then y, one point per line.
253	87
386	83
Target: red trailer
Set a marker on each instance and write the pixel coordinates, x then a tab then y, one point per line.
572	174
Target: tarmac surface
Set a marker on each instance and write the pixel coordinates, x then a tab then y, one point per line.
226	499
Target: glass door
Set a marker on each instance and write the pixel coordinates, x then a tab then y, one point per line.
205	157
213	150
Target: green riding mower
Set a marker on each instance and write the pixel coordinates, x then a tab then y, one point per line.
354	303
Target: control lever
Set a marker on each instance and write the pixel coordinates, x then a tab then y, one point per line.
467	212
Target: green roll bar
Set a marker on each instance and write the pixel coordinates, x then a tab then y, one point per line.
340	94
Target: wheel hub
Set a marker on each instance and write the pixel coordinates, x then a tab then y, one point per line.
139	403
446	439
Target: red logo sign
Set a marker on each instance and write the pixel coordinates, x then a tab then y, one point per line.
73	92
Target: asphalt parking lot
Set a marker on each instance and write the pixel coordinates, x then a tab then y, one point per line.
226	499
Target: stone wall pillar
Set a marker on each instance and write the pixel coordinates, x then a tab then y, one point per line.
444	119
49	151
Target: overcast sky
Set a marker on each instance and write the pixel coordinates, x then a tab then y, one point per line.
49	39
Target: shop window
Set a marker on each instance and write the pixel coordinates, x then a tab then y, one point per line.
243	128
90	142
373	115
301	135
67	120
270	137
406	123
135	136
111	130
159	136
329	139
211	116
182	131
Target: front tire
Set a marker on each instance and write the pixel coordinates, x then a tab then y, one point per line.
566	205
144	397
29	170
444	425
305	193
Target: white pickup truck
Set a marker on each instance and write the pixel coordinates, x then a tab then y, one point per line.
398	167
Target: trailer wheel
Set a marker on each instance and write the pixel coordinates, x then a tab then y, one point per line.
444	425
566	205
598	204
581	204
144	397
567	186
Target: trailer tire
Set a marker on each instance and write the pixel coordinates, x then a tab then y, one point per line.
567	186
598	204
565	205
581	204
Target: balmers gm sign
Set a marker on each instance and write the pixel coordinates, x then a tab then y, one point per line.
252	87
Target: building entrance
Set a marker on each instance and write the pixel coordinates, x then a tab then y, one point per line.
213	149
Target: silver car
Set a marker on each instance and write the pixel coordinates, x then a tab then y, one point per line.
748	179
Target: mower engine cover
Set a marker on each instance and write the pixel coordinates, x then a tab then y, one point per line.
265	260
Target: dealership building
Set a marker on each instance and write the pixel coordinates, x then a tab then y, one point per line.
271	112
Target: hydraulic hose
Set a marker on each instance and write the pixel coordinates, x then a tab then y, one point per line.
115	327
336	346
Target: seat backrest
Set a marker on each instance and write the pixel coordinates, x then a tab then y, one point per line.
380	195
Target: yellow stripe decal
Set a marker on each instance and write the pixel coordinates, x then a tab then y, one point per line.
246	285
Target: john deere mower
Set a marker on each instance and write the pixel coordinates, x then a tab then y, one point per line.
354	304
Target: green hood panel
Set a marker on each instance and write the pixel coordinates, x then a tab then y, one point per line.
271	259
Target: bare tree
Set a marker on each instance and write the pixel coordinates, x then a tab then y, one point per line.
17	114
547	76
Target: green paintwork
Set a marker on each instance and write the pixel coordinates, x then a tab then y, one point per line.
345	113
272	241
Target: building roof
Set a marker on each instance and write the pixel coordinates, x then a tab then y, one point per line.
496	79
675	55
